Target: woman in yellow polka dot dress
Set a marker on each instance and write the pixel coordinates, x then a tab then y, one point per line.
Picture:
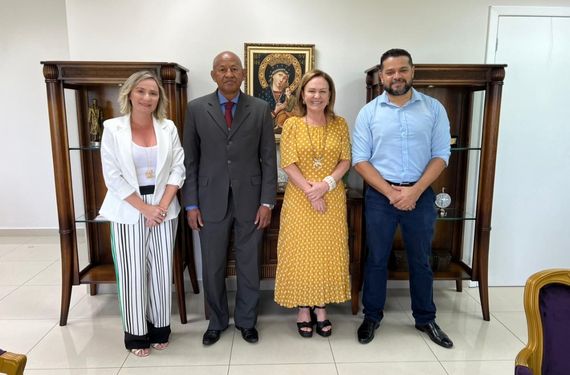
312	250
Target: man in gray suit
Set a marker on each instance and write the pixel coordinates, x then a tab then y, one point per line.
231	179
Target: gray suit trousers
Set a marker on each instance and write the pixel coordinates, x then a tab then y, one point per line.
214	240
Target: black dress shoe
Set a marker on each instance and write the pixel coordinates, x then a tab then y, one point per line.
211	336
436	334
249	334
366	331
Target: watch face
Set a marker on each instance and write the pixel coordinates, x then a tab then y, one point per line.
442	200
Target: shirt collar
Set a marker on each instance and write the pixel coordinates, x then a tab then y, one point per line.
223	99
383	99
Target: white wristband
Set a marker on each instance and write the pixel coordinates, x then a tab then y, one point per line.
330	181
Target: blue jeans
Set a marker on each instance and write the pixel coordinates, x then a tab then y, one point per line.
417	228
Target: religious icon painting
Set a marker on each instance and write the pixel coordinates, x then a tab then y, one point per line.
273	73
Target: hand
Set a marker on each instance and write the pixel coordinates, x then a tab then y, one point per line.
405	197
194	217
150	223
263	217
154	215
317	190
319	205
279	107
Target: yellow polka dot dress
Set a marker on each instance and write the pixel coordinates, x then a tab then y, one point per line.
312	249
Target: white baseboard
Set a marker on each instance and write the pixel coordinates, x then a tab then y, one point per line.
28	232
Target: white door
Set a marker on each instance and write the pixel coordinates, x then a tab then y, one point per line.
531	206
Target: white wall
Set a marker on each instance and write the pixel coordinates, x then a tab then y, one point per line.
530	229
30	31
349	38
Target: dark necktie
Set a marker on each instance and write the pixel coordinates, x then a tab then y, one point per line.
228	113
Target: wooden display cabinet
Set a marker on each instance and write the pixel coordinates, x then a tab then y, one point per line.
100	81
455	86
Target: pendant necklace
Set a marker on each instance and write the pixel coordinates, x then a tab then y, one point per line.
149	170
318	157
149	173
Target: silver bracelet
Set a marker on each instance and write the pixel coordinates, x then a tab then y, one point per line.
330	181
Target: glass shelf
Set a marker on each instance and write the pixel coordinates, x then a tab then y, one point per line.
85	148
454	214
97	219
465	149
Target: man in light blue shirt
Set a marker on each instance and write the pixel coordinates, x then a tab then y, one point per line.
400	145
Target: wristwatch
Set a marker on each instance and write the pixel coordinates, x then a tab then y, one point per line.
270	206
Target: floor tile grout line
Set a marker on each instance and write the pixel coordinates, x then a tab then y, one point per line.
507	328
427	343
478	300
9	293
25	283
332	354
231	350
11	251
400	302
43	337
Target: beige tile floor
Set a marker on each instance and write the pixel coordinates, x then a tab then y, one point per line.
91	343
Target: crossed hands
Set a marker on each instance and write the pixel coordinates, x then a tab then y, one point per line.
316	195
154	215
404	198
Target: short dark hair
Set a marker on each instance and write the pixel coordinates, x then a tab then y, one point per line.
395	52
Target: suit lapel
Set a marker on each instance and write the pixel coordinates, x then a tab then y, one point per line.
242	113
213	109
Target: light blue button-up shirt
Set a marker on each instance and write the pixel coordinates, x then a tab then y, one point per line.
400	141
223	102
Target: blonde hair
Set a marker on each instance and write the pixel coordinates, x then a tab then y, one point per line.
302	107
131	83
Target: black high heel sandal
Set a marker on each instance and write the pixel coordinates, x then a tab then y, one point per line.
301	325
320	325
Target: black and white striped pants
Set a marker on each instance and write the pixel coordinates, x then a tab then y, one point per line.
143	267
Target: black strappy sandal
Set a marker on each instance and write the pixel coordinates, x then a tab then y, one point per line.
320	325
300	325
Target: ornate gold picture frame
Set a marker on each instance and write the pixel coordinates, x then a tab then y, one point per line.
273	73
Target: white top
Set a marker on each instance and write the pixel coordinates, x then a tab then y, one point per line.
121	176
145	163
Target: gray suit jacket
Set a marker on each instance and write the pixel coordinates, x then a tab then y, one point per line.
216	159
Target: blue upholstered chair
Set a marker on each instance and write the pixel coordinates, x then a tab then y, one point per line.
547	309
12	364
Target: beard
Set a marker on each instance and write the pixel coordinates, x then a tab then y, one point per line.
407	86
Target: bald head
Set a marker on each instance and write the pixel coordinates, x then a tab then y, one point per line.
227	72
226	55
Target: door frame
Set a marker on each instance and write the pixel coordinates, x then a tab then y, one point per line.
495	12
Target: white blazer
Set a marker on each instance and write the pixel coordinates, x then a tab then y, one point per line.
120	174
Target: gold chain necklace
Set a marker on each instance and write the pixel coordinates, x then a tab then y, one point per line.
318	158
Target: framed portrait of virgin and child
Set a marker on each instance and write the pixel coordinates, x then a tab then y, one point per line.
273	73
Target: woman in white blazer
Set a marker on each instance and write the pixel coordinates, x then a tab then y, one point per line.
143	167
